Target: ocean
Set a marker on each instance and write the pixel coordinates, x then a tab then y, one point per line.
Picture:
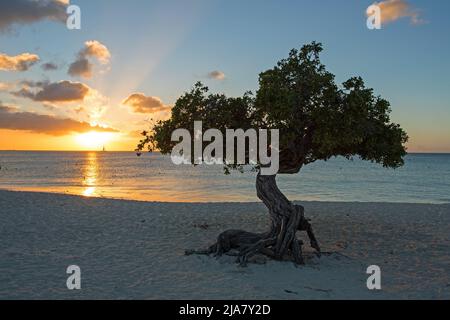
425	178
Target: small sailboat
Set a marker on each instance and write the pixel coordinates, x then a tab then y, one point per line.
104	149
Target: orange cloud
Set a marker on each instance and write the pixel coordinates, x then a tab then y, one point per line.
82	66
21	62
96	49
5	86
141	103
11	119
392	10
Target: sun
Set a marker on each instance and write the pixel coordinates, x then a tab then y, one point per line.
93	139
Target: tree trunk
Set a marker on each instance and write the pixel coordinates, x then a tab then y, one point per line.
284	216
280	242
286	219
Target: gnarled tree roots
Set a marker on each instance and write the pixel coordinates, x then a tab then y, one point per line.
280	243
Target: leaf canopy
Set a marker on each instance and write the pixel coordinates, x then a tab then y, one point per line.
317	118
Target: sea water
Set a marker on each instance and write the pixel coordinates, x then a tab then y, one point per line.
425	178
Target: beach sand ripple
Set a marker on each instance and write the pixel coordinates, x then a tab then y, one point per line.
135	250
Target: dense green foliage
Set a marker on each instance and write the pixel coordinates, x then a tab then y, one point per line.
317	118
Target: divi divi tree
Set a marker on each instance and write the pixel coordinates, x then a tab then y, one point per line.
317	119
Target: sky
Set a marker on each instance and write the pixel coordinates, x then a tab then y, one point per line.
63	89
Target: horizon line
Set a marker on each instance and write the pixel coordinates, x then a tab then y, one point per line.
53	150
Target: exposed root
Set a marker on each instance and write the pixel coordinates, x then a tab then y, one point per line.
283	245
280	242
297	252
248	251
306	226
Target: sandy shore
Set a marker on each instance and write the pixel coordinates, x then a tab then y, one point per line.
129	249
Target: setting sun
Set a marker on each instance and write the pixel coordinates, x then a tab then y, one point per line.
94	139
196	150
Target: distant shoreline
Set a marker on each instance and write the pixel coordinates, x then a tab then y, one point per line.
132	151
215	202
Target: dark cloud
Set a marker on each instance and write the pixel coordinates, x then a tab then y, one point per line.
21	62
20	12
217	75
11	119
37	84
63	91
80	68
141	103
49	66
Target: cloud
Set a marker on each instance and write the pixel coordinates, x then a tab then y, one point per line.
82	66
141	103
96	49
4	86
49	66
217	75
63	91
11	119
392	10
21	62
20	12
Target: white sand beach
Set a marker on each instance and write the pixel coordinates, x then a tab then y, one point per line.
135	250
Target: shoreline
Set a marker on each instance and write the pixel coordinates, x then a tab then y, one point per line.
132	151
135	250
299	201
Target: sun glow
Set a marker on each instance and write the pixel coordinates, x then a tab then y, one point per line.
94	139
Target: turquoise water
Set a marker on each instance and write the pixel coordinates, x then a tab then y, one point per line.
425	178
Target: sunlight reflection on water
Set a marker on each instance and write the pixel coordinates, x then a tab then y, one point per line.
425	178
90	174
